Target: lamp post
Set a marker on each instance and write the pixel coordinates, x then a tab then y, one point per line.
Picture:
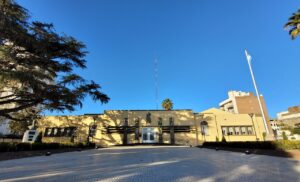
202	131
195	122
251	116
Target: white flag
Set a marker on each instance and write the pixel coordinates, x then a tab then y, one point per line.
249	58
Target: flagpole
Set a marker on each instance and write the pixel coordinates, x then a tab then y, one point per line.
256	90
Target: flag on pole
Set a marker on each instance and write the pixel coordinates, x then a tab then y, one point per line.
249	58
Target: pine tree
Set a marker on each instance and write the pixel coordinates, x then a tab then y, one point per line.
37	65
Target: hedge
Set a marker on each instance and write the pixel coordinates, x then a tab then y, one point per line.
271	145
14	146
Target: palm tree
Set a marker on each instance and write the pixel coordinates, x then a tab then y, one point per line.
293	25
167	104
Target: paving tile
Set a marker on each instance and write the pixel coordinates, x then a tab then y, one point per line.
151	163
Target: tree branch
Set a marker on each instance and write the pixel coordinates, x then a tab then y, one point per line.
3	112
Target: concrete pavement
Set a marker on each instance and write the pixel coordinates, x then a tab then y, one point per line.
151	163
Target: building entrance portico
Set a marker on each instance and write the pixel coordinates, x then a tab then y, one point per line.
149	135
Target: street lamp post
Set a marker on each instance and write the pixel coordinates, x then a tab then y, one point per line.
251	116
196	128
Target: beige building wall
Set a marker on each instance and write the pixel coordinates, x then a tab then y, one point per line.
116	118
245	103
291	117
187	126
217	119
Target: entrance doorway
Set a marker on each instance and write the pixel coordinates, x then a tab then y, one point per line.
149	135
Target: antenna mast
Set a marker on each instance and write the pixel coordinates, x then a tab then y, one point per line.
156	81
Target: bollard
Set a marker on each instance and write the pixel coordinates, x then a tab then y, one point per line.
247	152
47	153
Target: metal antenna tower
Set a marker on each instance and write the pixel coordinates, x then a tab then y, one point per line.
156	81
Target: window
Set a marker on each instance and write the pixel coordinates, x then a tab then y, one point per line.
67	132
237	130
137	122
137	132
151	136
204	128
125	121
224	130
92	130
230	130
47	132
73	131
60	132
55	131
243	130
159	121
250	132
145	136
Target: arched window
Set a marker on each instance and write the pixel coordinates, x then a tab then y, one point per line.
92	130
204	128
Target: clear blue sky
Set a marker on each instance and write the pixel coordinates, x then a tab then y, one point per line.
199	45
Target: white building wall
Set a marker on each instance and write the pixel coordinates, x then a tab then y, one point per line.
4	127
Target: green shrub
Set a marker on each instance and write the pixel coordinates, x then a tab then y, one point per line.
288	144
264	134
38	146
217	139
296	131
23	146
223	139
4	147
13	146
284	136
39	138
271	145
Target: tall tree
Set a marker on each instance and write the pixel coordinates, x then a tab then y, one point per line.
37	65
28	116
167	104
293	25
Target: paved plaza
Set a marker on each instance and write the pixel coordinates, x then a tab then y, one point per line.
151	163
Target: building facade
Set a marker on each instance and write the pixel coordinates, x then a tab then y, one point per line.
4	122
245	103
291	117
4	127
123	127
